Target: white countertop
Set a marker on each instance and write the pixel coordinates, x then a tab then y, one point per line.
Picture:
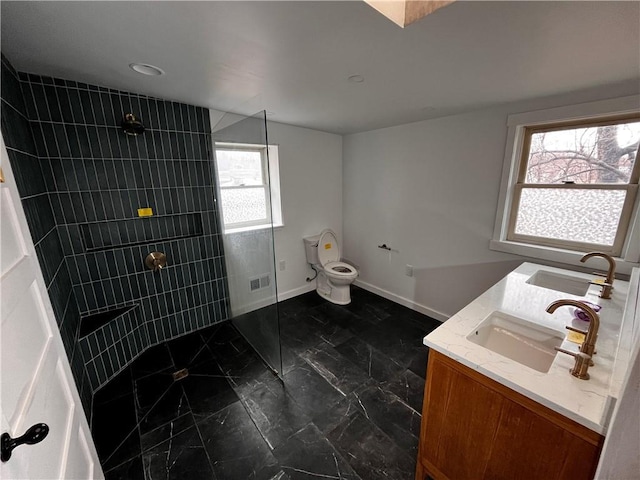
588	402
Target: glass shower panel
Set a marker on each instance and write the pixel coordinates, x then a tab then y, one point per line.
242	171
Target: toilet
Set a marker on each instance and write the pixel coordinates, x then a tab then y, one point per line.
334	276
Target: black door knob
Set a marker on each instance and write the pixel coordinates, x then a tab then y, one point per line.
34	435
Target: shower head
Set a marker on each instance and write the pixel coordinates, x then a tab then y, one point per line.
131	125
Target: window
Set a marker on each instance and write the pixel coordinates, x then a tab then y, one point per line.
572	185
577	185
245	173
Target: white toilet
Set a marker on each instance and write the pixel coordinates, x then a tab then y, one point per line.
334	276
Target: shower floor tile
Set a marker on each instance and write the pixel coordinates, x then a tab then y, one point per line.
348	405
180	457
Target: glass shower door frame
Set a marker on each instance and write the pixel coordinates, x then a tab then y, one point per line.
250	249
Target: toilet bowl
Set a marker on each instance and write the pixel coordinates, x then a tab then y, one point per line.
334	276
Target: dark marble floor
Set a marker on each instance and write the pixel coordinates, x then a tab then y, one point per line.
348	406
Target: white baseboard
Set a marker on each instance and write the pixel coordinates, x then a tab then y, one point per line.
373	289
402	301
310	287
250	307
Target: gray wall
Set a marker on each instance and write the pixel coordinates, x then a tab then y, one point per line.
430	191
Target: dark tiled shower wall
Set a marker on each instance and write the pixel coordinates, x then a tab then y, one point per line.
100	177
81	181
35	191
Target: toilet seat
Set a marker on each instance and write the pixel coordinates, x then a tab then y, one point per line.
328	248
334	276
340	269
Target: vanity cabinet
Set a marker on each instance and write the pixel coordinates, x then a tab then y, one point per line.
475	428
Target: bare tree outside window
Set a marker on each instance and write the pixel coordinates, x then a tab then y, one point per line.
602	154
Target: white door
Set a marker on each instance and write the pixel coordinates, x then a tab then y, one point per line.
36	385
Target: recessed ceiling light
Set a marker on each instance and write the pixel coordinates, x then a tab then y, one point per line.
356	79
146	69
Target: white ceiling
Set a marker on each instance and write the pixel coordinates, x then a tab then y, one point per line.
293	58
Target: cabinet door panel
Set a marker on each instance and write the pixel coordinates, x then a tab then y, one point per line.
525	439
474	428
465	417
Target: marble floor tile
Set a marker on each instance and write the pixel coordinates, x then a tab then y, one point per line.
329	419
156	359
229	349
312	392
409	387
418	362
149	389
171	405
290	359
309	455
296	305
120	386
300	332
261	329
368	307
391	415
399	340
280	476
166	431
127	449
343	375
373	362
114	423
334	334
208	390
245	371
423	322
130	470
218	335
183	456
370	452
235	446
188	351
275	413
331	314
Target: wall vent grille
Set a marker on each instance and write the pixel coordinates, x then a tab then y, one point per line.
259	283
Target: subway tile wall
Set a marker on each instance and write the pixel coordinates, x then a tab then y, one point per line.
102	177
35	192
96	179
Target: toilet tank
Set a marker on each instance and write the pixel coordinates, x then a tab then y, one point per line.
311	249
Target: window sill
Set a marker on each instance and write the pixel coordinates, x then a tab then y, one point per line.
554	255
252	228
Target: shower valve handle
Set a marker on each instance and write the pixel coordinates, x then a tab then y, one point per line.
156	261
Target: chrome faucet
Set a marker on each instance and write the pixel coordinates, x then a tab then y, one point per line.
588	346
607	285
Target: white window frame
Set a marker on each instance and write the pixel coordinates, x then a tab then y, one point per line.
270	174
629	251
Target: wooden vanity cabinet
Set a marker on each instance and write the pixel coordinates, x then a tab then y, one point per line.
475	428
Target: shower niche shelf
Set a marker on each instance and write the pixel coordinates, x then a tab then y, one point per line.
137	231
95	321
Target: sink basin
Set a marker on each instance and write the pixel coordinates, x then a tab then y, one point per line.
560	283
522	341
